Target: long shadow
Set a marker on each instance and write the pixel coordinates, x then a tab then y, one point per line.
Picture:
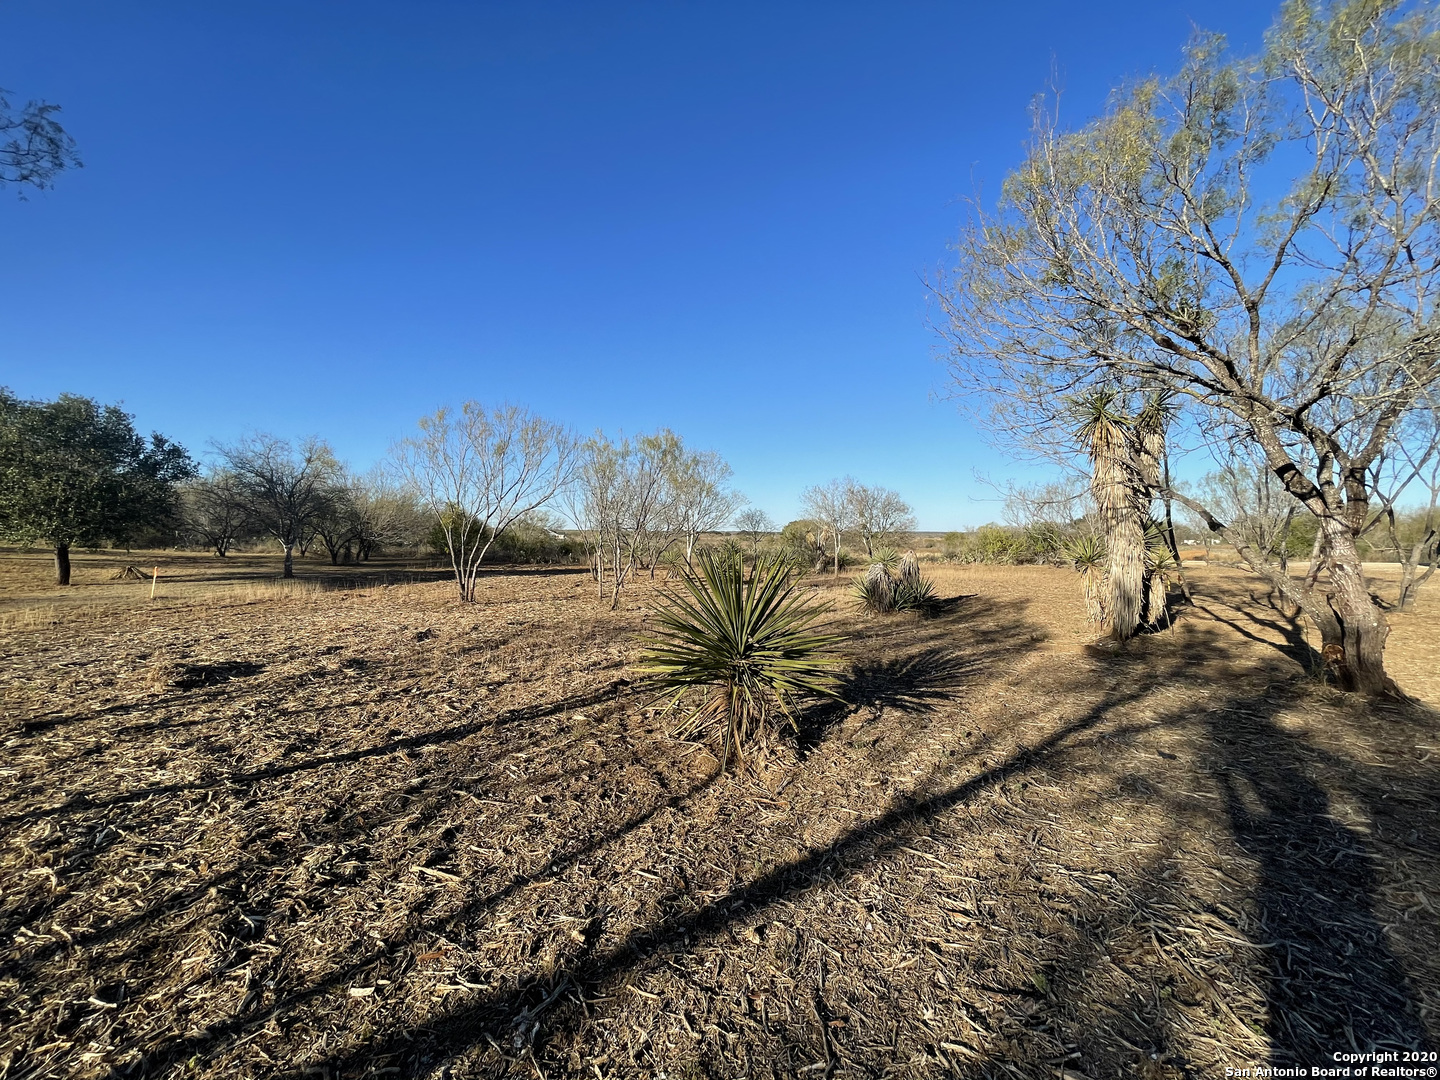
1276	811
1296	647
914	684
176	1050
451	733
493	1014
941	653
1327	989
1333	982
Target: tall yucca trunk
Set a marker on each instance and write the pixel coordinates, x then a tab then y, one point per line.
909	572
1092	580
1125	574
1157	591
1124	529
879	588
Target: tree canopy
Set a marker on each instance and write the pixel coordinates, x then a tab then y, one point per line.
76	472
1257	236
33	145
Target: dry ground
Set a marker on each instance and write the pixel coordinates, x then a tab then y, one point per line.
351	828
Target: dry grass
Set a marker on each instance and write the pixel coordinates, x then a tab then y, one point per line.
364	831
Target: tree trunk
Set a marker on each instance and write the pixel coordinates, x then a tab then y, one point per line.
62	564
1427	552
289	571
1170	531
1125	541
837	553
1354	642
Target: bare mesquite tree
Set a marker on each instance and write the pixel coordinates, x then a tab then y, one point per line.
1253	502
754	524
700	495
829	504
1141	251
214	509
1409	468
479	470
283	487
638	497
385	513
880	516
365	512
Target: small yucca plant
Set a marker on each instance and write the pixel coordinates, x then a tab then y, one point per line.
880	591
876	589
1160	565
1087	555
748	645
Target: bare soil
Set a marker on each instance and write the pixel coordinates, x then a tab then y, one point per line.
352	828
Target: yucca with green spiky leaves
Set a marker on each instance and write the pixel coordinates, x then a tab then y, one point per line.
747	644
887	557
1086	554
1160	565
876	589
882	591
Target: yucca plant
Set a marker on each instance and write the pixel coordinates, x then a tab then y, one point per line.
1160	565
1087	555
906	589
887	557
876	589
747	645
908	572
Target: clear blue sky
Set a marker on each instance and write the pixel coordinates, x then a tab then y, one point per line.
331	218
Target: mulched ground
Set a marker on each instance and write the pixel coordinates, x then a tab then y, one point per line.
369	832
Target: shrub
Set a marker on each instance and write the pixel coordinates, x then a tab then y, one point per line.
525	541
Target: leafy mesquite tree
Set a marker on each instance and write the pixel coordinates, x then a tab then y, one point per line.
33	145
75	472
1261	238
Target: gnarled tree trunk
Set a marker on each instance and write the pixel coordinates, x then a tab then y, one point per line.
1354	643
62	564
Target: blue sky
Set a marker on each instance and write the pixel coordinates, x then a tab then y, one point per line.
332	218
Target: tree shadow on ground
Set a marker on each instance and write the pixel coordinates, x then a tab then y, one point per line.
1325	951
1312	875
498	1016
1333	980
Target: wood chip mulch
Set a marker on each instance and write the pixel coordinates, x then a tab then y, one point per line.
373	832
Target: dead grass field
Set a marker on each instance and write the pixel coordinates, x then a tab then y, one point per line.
350	828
